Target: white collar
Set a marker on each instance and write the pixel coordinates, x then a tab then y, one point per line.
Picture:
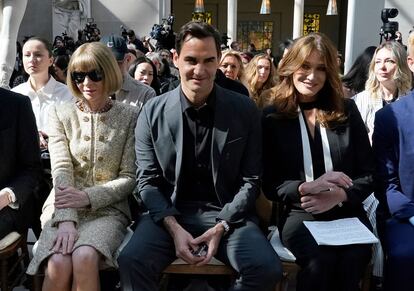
307	156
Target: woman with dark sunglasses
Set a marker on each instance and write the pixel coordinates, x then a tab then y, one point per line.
91	144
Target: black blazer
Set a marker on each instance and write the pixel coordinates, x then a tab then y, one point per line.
283	159
20	167
235	154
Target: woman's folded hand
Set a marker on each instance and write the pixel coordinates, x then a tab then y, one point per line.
69	197
66	237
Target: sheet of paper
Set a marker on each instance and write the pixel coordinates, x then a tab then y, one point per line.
340	232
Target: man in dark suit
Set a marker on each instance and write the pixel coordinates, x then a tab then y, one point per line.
19	160
199	162
393	143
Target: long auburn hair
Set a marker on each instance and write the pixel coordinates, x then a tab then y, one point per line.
250	77
285	96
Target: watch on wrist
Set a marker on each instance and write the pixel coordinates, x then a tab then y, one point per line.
225	225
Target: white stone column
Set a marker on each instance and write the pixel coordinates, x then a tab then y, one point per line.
363	27
232	20
298	18
164	9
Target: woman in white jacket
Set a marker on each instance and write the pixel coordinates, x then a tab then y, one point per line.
389	78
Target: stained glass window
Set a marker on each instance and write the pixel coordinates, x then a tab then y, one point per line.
257	32
310	23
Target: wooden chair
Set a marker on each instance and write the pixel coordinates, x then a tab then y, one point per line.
17	248
216	267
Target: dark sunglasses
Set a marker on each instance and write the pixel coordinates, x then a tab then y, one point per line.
94	75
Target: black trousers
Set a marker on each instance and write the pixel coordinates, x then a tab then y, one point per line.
323	268
8	221
151	250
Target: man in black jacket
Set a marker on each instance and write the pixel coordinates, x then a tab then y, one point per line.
20	162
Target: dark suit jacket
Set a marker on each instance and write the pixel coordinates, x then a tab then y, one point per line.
283	159
230	84
235	154
19	148
393	142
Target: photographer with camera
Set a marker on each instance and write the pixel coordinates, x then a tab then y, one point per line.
163	34
132	39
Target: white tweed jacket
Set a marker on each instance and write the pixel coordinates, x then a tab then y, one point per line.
93	152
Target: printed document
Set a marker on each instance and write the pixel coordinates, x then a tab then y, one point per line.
346	231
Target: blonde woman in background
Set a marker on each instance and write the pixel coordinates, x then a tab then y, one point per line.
91	145
389	78
259	75
231	64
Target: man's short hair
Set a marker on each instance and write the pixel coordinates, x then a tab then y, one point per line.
198	30
130	32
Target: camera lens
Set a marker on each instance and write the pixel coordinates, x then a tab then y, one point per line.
392	12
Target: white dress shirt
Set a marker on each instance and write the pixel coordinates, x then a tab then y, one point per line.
52	93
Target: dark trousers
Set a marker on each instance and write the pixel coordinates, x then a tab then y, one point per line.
324	268
8	221
151	250
397	238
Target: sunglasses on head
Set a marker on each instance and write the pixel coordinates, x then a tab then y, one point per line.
94	75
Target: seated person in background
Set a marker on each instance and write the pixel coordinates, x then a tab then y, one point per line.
231	64
42	89
259	75
91	145
199	161
132	92
318	162
354	81
393	143
144	70
20	168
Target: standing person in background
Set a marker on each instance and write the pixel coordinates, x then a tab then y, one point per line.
42	89
93	168
354	81
389	78
60	66
144	70
393	143
132	39
231	64
317	162
132	91
259	75
199	161
11	16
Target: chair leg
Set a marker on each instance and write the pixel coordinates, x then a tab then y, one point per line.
4	271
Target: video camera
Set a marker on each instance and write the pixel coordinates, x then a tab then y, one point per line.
91	32
163	33
388	28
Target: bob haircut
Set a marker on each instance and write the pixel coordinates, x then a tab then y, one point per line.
198	30
402	76
236	55
95	56
285	96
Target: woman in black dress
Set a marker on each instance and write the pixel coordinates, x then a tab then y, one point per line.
317	162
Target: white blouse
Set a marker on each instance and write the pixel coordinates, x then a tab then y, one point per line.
52	93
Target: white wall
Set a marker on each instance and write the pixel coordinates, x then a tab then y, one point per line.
363	27
139	15
405	16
